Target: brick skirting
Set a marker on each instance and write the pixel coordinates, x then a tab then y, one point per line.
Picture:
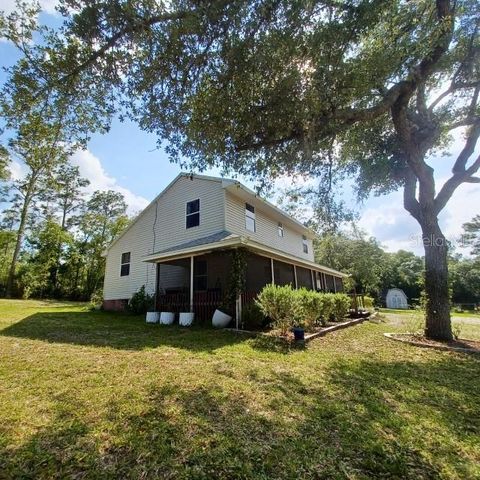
115	305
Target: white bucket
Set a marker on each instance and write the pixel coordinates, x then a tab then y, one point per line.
152	317
220	319
167	318
186	319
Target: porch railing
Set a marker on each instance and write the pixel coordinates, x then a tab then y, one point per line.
248	297
173	302
204	303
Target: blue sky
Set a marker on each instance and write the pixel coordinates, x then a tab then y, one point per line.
127	159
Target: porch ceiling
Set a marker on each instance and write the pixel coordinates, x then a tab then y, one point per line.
224	239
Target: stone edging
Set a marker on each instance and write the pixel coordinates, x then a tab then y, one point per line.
339	326
393	336
310	336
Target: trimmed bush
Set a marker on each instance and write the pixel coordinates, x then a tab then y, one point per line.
141	302
312	307
368	302
328	307
253	318
341	307
281	305
287	307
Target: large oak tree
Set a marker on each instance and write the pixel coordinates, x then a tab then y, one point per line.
271	87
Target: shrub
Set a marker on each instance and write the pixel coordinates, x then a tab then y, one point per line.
328	307
96	300
141	302
252	317
341	305
282	305
414	323
368	302
311	305
457	329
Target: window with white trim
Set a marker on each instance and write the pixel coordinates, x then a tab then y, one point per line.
305	244
192	214
125	264
250	217
281	232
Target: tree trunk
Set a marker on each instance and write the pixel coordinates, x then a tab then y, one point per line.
437	322
18	244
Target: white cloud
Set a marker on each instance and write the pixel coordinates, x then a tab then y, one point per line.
92	169
17	170
387	220
391	224
462	207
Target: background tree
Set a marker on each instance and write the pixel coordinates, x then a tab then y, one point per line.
41	265
66	193
363	258
471	234
103	219
39	147
4	161
403	270
465	280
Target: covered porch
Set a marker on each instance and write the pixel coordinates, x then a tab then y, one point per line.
201	281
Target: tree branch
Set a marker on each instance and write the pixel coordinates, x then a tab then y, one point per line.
467	151
143	24
454	182
465	122
410	201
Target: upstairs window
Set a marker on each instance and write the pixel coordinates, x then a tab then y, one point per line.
281	232
193	214
125	264
305	244
250	217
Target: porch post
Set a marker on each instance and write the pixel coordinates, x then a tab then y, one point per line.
324	281
273	271
238	311
157	284
334	283
191	282
295	275
313	279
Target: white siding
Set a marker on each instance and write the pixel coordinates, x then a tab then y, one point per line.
138	241
160	228
266	228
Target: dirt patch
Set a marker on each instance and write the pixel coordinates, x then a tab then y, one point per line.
460	345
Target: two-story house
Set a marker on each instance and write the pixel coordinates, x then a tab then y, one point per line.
178	247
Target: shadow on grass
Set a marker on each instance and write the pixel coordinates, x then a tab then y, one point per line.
274	344
370	419
119	331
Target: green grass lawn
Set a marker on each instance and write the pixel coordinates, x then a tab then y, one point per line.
465	313
96	395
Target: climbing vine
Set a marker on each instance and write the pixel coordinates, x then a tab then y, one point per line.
237	281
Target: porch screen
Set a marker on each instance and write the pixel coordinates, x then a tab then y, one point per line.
304	278
283	273
330	287
259	273
200	275
339	284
